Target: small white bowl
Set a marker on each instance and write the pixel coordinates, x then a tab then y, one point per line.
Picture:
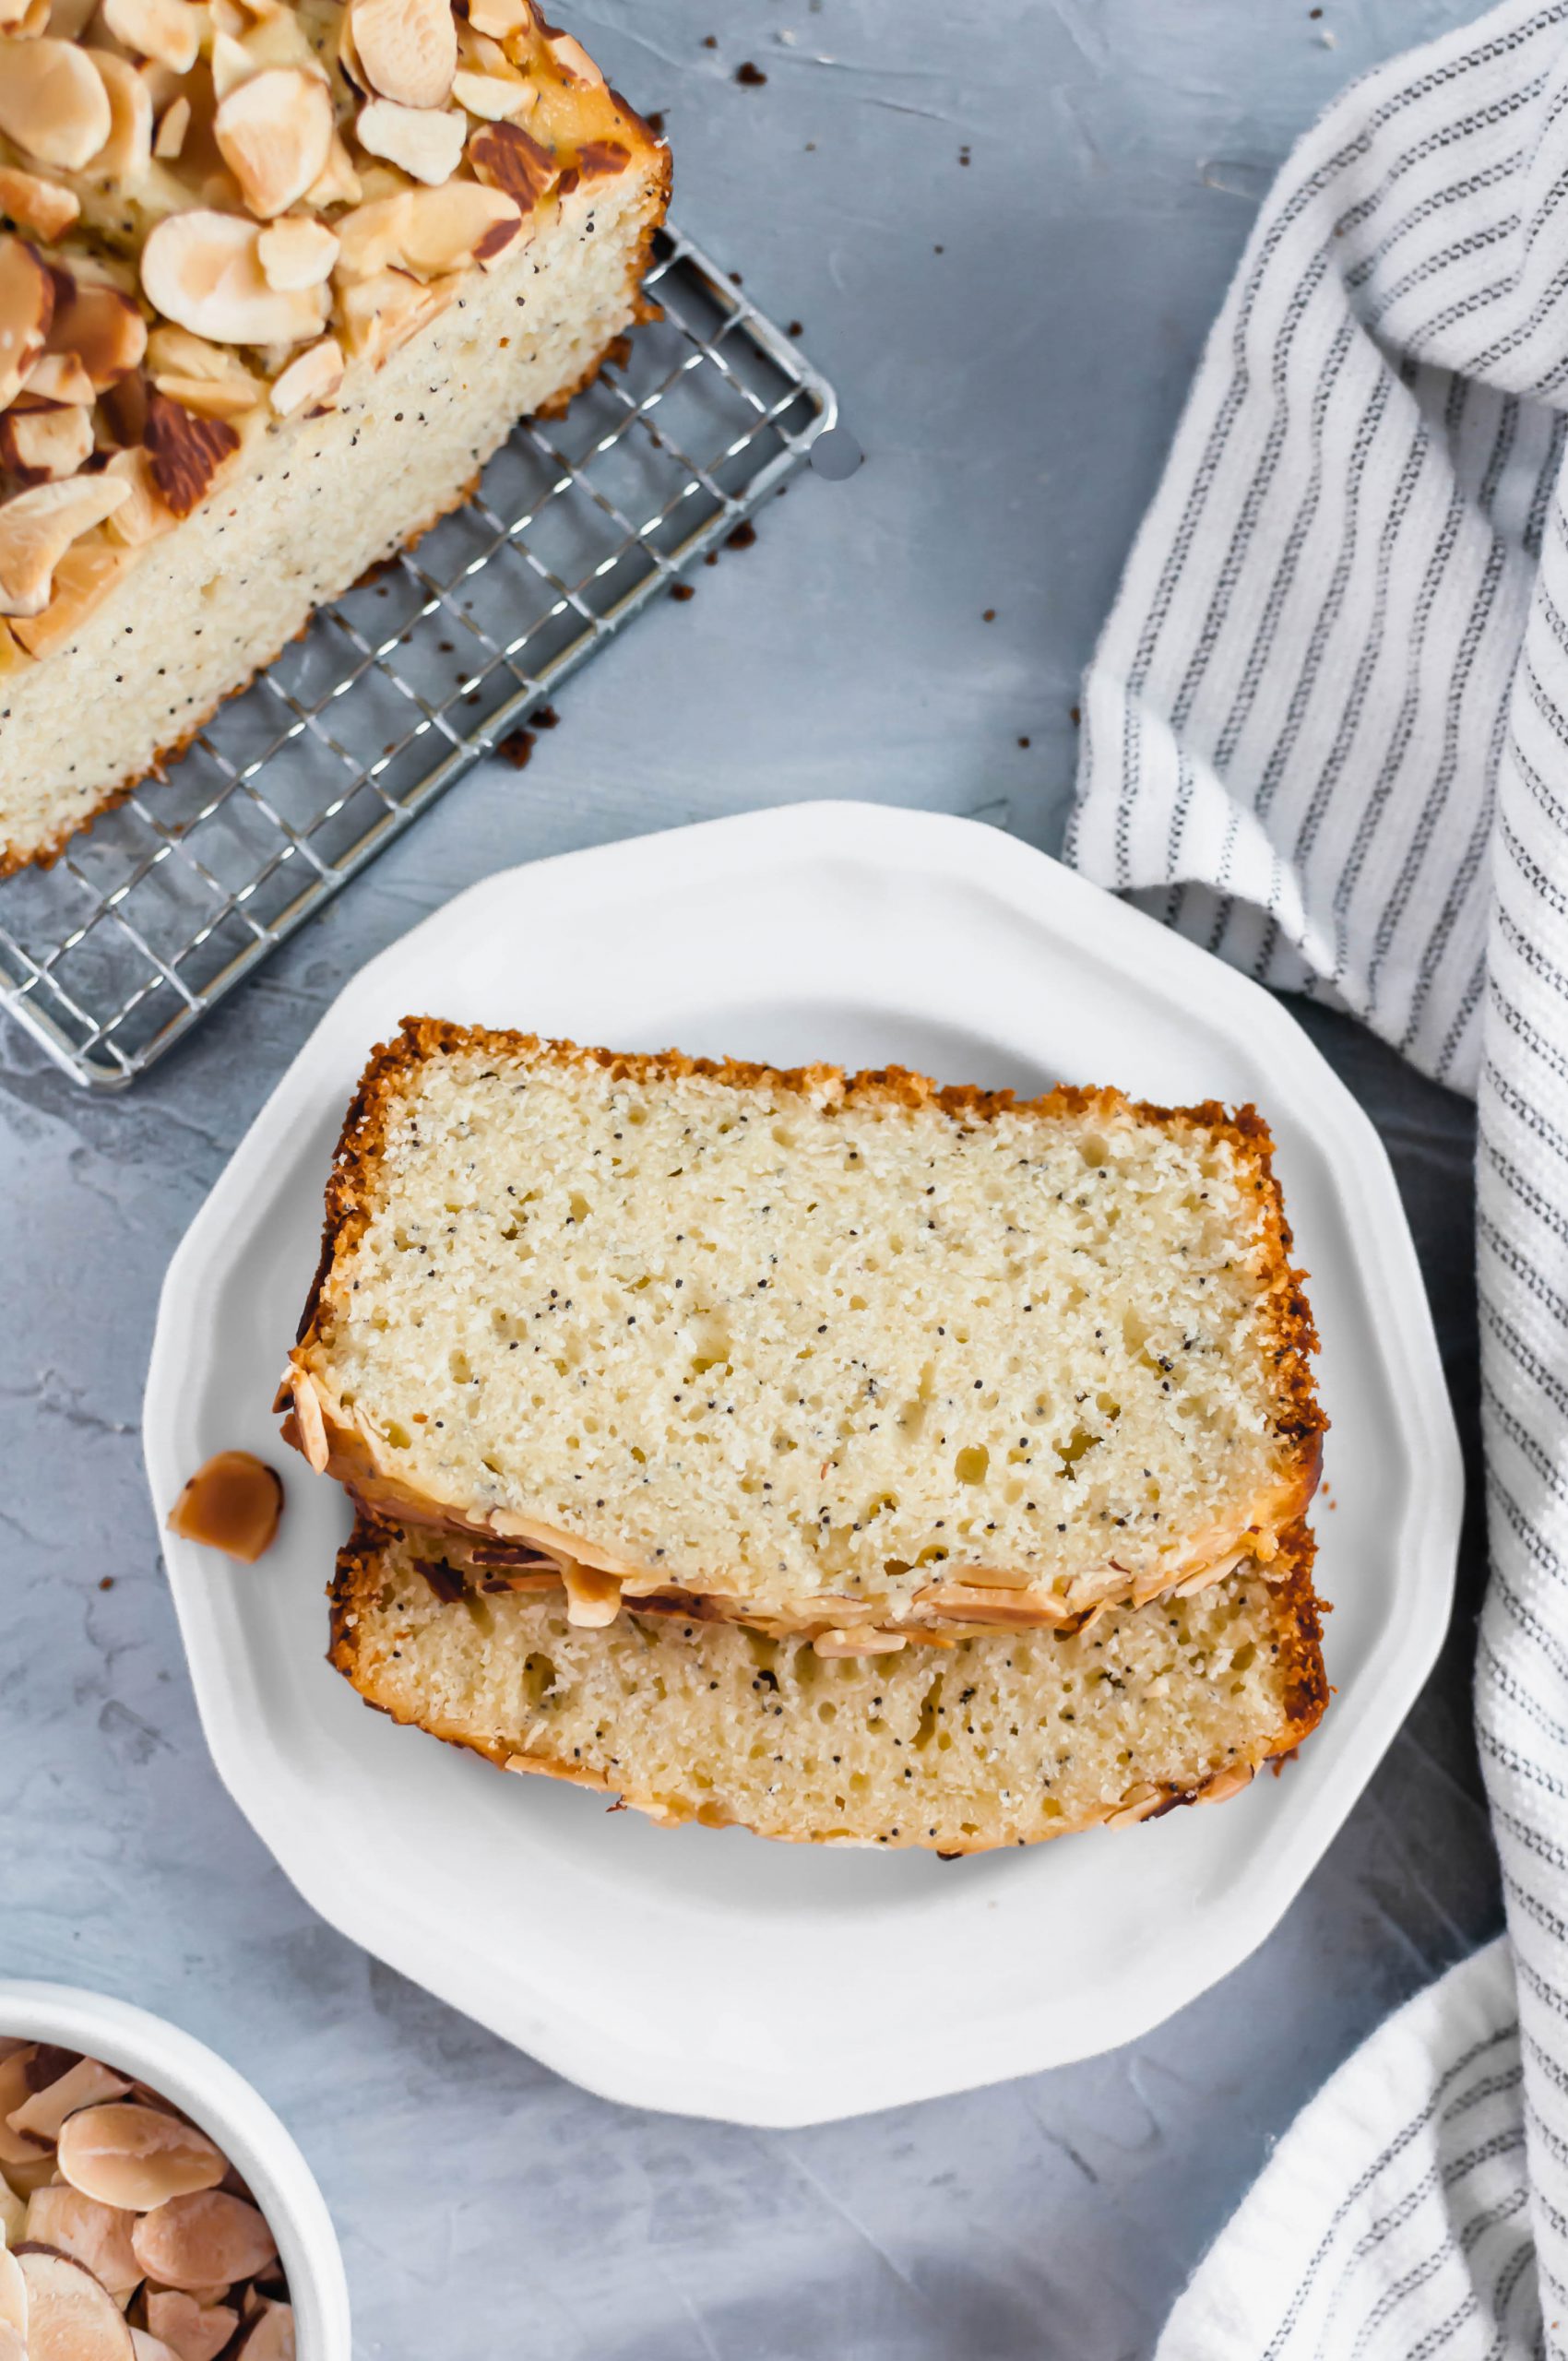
213	2094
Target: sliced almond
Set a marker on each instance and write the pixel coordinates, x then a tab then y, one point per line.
270	2336
173	125
83	579
202	270
500	18
145	514
192	2331
58	377
449	228
14	16
297	252
68	19
13	2292
337	183
148	2347
97	2236
209	396
424	142
125	154
509	159
1135	1805
52	102
13	2209
100	326
70	2316
12	2347
493	97
35	203
27	306
311	382
193	2241
169	30
372	236
275	133
84	2085
379	315
574	62
593	1600
233	1501
137	2157
407	48
45	446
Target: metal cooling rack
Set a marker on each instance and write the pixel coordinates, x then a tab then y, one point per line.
163	905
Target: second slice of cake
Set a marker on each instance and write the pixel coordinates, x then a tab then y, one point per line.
866	1359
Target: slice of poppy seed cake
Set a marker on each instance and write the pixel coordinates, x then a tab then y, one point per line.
844	1357
1003	1740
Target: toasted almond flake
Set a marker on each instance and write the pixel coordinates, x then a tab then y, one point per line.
125	154
146	514
173	125
500	18
192	2331
201	270
13	2208
1226	1783
169	30
35	203
52	102
311	382
424	142
493	97
175	353
593	1600
275	133
379	315
408	49
270	2336
371	236
137	2157
36	527
449	228
232	62
100	327
45	446
233	1503
297	252
187	449
83	2085
12	2347
13	2292
197	2240
313	1426
27	306
509	159
12	14
573	61
70	2316
148	2347
209	396
1136	1804
68	19
338	184
97	2236
860	1640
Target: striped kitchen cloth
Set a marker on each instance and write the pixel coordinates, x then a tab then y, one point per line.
1326	733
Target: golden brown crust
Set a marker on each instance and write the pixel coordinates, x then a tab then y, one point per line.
360	1574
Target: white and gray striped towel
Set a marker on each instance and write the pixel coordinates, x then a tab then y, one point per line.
1326	731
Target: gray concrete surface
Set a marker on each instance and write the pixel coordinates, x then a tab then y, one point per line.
1011	338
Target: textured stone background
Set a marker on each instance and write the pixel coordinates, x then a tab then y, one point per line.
1011	339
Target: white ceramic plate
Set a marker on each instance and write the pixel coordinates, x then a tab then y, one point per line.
710	1972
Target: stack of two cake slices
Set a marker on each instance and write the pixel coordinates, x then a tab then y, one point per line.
856	1461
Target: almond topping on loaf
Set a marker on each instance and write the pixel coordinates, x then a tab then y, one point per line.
242	173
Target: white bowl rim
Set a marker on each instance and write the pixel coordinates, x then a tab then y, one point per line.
218	2096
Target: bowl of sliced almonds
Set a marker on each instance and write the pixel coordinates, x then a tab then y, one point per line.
153	2207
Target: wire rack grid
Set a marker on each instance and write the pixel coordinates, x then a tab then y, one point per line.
167	902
